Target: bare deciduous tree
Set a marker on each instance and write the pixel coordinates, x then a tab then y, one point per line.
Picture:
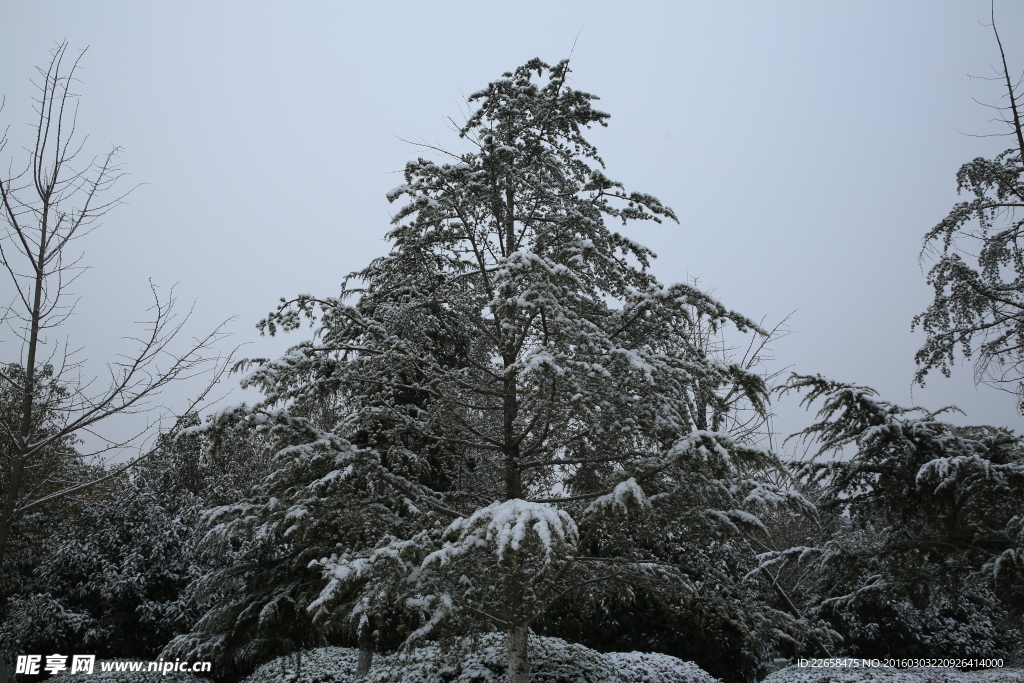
55	199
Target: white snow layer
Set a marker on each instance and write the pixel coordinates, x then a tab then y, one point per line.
626	498
483	660
795	674
654	667
322	664
512	524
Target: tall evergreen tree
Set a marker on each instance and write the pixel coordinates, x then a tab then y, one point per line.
978	277
512	392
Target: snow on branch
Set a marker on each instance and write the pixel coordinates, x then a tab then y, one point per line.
626	500
514	525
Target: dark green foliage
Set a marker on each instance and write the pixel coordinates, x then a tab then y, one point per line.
929	544
318	498
53	466
113	569
112	583
727	629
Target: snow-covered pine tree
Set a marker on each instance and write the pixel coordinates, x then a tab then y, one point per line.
931	559
512	366
978	274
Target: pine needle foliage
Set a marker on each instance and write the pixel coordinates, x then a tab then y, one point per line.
498	402
927	560
978	277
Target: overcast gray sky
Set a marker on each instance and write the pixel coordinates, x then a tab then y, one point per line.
806	146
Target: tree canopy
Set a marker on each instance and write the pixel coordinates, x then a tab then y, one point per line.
927	556
978	278
489	415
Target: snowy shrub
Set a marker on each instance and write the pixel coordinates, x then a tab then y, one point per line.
112	580
654	667
112	576
797	674
942	675
483	660
322	665
794	674
999	676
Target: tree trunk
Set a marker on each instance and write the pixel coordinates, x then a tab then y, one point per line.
518	655
6	667
510	447
7	515
21	444
366	646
